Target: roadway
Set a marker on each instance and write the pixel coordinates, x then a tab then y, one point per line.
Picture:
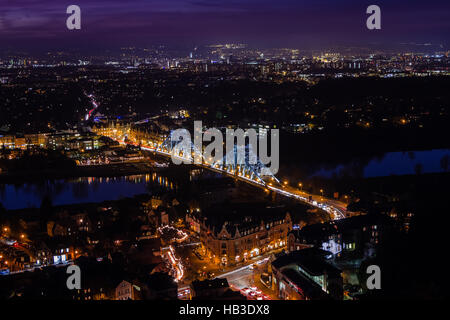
94	106
238	278
336	208
175	262
242	277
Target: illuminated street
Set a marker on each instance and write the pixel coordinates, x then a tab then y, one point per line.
184	152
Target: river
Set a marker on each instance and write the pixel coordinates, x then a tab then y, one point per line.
391	163
80	190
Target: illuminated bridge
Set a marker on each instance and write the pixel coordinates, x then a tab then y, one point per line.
248	168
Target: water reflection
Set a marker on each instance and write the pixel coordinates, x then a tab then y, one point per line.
391	163
82	190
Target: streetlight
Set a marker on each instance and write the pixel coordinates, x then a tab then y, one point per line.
300	185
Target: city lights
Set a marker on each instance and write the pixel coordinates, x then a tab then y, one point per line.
139	160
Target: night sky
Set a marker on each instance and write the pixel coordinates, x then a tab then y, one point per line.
297	23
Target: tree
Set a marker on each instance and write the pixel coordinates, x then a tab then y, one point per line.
418	168
2	214
3	153
46	204
46	212
444	163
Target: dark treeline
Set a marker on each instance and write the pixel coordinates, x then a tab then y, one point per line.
303	154
37	162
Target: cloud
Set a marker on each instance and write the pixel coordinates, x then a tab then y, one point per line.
118	21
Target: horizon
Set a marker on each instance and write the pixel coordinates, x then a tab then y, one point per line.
308	25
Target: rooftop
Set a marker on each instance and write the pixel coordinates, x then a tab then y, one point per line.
309	288
311	260
321	230
245	216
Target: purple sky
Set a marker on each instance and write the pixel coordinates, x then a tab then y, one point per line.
299	23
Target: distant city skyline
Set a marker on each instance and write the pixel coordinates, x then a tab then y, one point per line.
40	25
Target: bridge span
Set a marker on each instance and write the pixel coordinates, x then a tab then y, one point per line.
247	174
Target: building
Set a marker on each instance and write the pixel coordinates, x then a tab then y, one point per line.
58	140
305	275
37	139
127	291
234	234
146	252
70	225
355	237
194	222
73	141
52	252
350	241
24	141
83	143
99	279
112	129
8	141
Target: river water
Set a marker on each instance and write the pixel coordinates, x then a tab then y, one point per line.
392	163
80	190
84	190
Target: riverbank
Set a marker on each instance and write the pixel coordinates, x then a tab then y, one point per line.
107	170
